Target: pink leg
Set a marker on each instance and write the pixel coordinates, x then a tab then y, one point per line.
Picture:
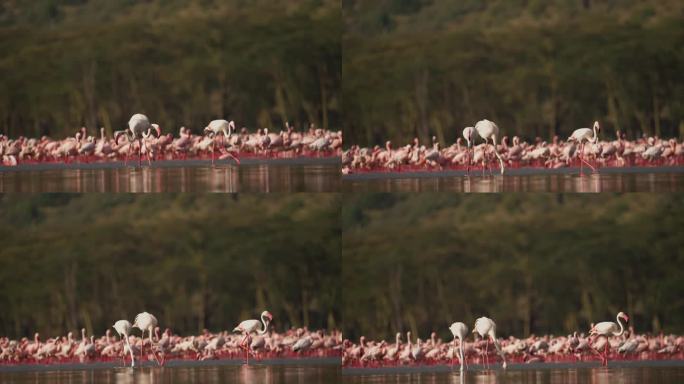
139	153
486	356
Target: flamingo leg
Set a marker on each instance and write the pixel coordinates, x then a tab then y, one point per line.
580	157
486	354
140	156
152	348
213	149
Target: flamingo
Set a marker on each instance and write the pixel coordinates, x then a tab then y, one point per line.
608	328
582	136
485	327
139	128
145	322
459	330
123	328
220	126
469	134
487	130
250	326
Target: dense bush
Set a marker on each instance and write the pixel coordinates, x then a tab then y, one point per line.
533	263
194	261
537	68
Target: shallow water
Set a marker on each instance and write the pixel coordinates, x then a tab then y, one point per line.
631	375
604	182
204	374
222	178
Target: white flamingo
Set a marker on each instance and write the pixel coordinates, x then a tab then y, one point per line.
486	328
608	328
145	322
582	136
251	326
487	130
459	330
139	128
220	126
123	328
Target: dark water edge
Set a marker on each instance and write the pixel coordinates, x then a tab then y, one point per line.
262	177
663	179
619	374
292	372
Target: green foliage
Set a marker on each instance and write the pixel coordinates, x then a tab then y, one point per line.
537	68
95	63
533	263
195	261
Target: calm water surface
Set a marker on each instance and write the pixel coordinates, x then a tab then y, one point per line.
206	375
637	375
222	178
609	182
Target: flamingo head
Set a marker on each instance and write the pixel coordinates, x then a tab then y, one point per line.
597	126
116	137
208	132
623	316
267	315
157	129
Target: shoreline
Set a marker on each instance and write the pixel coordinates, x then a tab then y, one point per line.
441	368
250	161
176	363
525	171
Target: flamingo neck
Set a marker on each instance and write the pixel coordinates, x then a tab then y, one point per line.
265	328
595	138
622	328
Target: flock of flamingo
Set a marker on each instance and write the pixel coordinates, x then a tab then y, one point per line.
483	143
219	139
250	338
605	340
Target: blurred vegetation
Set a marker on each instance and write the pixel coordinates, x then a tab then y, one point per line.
536	67
194	261
69	63
537	263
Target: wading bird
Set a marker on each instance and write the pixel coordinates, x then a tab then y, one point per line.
220	126
487	130
253	326
486	328
582	136
146	322
123	328
139	128
608	328
460	331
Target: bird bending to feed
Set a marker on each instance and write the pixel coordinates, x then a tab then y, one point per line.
469	134
146	322
487	130
123	328
486	328
139	128
248	327
220	126
608	328
460	331
582	136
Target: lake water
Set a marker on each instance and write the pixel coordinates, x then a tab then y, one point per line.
524	182
211	374
202	178
621	375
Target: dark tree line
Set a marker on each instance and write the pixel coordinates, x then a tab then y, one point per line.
95	63
537	68
534	263
71	261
